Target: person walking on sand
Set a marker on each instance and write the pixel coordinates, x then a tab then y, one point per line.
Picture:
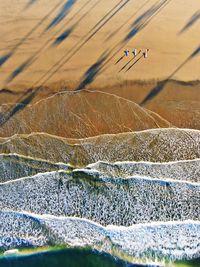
134	52
126	52
145	53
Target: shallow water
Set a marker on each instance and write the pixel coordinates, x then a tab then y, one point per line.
75	257
140	212
159	241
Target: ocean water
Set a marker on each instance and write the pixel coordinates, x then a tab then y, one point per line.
63	257
105	214
94	169
75	257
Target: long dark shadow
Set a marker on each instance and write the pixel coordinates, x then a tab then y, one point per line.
157	89
58	40
120	45
191	22
77	47
67	32
126	64
119	28
28	97
119	60
134	63
88	77
30	3
64	11
5	58
141	22
105	16
19	70
91	73
72	17
63	36
134	57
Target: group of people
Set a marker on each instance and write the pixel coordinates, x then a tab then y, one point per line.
135	52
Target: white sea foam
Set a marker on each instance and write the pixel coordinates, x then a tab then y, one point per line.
105	200
172	240
161	145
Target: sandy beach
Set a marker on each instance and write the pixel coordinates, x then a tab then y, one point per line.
102	30
100	133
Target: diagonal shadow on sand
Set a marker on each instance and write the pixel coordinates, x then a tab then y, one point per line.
191	22
64	11
4	58
156	90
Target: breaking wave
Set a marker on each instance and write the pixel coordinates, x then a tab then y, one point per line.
158	145
103	199
187	170
14	166
131	209
169	240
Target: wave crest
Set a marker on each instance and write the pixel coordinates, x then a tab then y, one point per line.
171	240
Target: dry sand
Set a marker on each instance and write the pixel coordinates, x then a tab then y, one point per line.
160	32
96	34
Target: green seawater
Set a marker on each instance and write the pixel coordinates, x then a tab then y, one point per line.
62	257
192	263
75	257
